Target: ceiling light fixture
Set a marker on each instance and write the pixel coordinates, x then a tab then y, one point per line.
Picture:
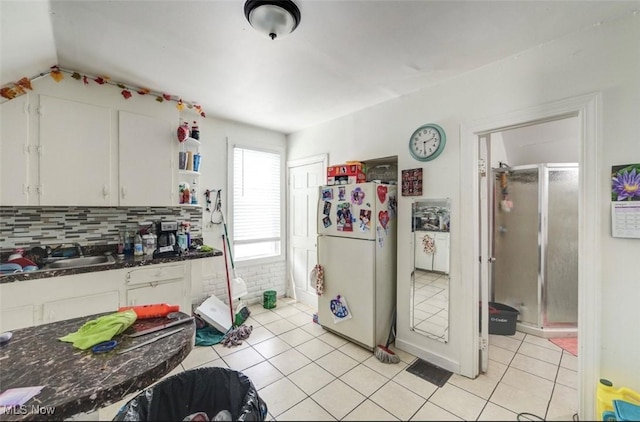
273	18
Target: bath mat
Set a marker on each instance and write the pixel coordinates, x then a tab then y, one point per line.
429	372
570	344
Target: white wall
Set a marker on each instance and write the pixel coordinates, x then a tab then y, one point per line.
604	59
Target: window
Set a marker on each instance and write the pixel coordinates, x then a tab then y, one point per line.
257	205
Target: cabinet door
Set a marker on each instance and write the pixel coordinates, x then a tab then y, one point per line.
61	310
14	183
171	293
441	257
18	317
424	261
75	145
146	161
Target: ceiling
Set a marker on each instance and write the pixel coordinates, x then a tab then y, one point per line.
345	55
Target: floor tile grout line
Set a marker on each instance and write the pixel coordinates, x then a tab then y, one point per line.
501	377
387	379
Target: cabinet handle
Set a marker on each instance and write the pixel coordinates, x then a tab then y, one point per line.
123	192
105	191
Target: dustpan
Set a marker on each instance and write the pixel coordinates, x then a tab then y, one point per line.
238	287
216	313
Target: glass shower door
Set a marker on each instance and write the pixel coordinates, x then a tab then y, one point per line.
516	271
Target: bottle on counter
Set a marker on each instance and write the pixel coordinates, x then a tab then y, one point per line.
187	231
120	248
128	243
149	242
137	245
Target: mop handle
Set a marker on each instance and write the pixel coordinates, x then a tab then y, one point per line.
233	266
226	267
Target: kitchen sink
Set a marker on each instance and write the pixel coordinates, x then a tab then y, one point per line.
82	261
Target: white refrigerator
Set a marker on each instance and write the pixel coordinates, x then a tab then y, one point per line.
357	251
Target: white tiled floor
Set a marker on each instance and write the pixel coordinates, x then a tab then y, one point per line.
304	372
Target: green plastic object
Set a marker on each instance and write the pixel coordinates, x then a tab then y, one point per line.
269	299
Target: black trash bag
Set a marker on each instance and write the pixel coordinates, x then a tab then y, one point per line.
197	395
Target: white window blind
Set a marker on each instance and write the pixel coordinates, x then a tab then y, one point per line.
256	204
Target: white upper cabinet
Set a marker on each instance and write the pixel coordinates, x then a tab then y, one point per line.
14	152
146	153
75	143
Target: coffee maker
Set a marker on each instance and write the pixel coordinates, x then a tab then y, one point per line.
167	239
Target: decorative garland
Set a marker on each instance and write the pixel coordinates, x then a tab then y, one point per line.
16	89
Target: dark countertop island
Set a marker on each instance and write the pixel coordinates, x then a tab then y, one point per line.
77	381
127	262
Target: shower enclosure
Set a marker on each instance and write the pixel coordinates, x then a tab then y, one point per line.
535	246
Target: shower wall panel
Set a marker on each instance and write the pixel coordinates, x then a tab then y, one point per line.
561	249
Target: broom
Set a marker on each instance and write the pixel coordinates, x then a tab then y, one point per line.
383	353
236	334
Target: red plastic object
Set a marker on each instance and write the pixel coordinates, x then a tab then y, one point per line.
151	311
23	262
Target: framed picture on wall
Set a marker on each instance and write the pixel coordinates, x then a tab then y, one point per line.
412	182
625	182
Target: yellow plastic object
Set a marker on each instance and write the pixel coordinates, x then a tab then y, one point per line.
607	394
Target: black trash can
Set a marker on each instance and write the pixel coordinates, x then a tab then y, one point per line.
198	395
502	319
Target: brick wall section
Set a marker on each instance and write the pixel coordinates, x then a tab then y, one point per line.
258	278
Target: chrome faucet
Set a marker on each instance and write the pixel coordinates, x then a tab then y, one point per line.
78	248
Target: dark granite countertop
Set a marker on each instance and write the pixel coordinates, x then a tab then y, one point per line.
77	380
127	262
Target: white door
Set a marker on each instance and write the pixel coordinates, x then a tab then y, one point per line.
305	177
486	199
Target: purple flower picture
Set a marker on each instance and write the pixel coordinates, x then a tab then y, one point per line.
625	183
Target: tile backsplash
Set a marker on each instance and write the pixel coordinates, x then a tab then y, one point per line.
34	226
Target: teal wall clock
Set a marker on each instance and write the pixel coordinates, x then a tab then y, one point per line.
427	142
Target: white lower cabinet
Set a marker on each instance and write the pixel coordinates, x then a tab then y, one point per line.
424	261
34	302
441	257
165	283
171	293
60	310
18	317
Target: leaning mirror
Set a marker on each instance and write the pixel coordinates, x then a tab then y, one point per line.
430	275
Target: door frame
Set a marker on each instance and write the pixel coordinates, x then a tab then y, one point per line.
324	160
588	109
